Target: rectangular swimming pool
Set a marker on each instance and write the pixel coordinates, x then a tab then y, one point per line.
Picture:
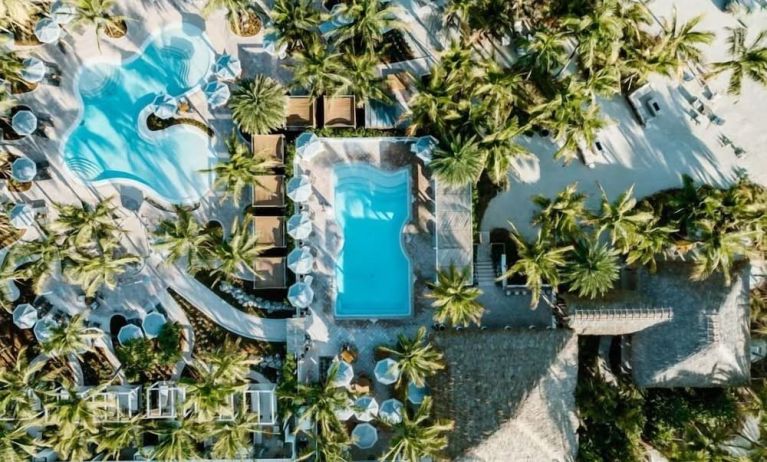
373	273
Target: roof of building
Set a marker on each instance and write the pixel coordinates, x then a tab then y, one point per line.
510	393
619	312
454	229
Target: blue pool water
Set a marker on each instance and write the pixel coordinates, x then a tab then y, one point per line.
373	274
110	141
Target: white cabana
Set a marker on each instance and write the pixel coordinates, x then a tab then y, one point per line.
387	371
152	324
23	170
416	394
22	216
344	374
227	67
218	93
129	332
274	46
299	188
47	31
43	328
24	122
25	316
364	436
63	12
308	145
165	106
391	411
365	408
300	295
300	226
347	412
301	260
424	148
34	70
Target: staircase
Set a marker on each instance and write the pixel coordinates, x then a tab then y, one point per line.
483	266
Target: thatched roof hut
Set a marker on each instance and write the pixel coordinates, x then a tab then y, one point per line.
511	394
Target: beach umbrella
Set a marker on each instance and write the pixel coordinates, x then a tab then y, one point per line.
391	411
365	408
227	67
300	226
43	328
63	12
23	170
387	371
25	316
34	70
47	31
344	374
24	122
152	324
299	188
308	145
300	295
165	106
364	436
22	216
424	147
129	332
218	93
345	413
416	394
301	260
274	46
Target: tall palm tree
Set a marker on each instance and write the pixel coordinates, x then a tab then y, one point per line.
417	359
363	80
228	363
18	14
460	163
22	387
207	397
499	147
717	249
177	440
499	89
318	403
72	446
622	219
99	14
333	447
295	22
540	262
73	417
238	11
234	438
235	257
15	444
259	105
433	107
561	217
319	70
599	34
114	437
593	267
94	272
41	259
652	240
84	224
72	337
241	169
682	42
11	67
418	437
455	300
185	239
746	60
369	20
545	52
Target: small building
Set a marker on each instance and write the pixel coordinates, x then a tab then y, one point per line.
117	403
261	400
164	400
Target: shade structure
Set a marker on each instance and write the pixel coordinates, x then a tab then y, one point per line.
24	122
47	31
424	147
301	260
391	411
34	70
63	12
23	170
308	145
25	316
22	216
165	106
218	93
346	412
129	332
274	46
416	394
300	226
364	436
300	295
227	67
299	188
152	324
365	408
387	371
344	374
43	328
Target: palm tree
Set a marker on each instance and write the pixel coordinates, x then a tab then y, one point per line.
717	249
233	438
319	70
460	163
432	107
455	300
416	358
745	60
599	34
74	418
178	439
228	363
184	238
207	397
295	22
116	436
99	14
15	444
22	388
622	219
72	337
84	224
652	240
72	446
561	216
235	257
333	447
682	42
500	148
545	52
539	262
499	90
94	272
40	257
418	437
18	14
593	267
318	403
363	80
238	11
11	67
369	20
258	105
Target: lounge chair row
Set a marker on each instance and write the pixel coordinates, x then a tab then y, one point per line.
338	112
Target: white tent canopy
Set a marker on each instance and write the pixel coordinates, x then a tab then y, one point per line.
300	295
301	260
366	408
308	145
34	70
25	316
227	67
387	371
23	169
218	93
24	122
364	436
43	328
129	332
22	216
300	226
153	323
416	394
391	411
47	31
299	188
344	374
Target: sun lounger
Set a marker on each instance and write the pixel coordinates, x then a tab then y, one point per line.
271	146
340	111
270	192
300	113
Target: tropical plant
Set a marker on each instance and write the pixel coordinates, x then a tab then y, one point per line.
416	358
184	239
22	387
295	22
18	14
177	440
228	363
74	447
235	257
94	272
561	217
652	240
240	170
258	105
86	225
545	52
73	416
100	15
455	300
114	437
499	147
418	437
208	397
72	337
622	219
11	67
41	259
480	18
717	249
233	438
318	403
746	60
681	42
238	11
593	267
15	444
460	163
362	79
368	20
333	447
599	34
319	70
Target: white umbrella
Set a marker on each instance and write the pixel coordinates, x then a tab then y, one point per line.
165	106
62	12
218	93
25	316
23	170
299	188
416	394
301	260
300	295
47	31
344	374
34	70
387	371
391	411
364	436
227	67
346	412
22	216
24	122
366	408
274	46
152	324
424	147
308	145
300	226
43	328
129	332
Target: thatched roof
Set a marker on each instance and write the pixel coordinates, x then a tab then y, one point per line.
510	393
619	312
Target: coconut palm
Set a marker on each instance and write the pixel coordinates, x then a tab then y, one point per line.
652	240
207	397
235	257
460	163
100	15
94	272
545	52
418	437
369	20
333	447
18	14
238	11
561	216
22	387
621	218
72	337
319	70
228	363
258	105
499	89
234	438
41	258
363	80
85	224
116	436
593	267
177	440
599	34
717	249
603	82
455	300
15	444
73	447
318	403
295	22
73	418
433	106
241	169
11	67
499	147
539	262
417	359
682	42
746	60
184	238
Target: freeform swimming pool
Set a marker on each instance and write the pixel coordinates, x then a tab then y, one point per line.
110	141
373	273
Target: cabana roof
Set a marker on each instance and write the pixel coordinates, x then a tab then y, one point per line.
619	312
300	112
270	192
270	230
339	111
272	272
270	146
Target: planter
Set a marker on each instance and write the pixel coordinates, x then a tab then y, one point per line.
250	25
117	32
